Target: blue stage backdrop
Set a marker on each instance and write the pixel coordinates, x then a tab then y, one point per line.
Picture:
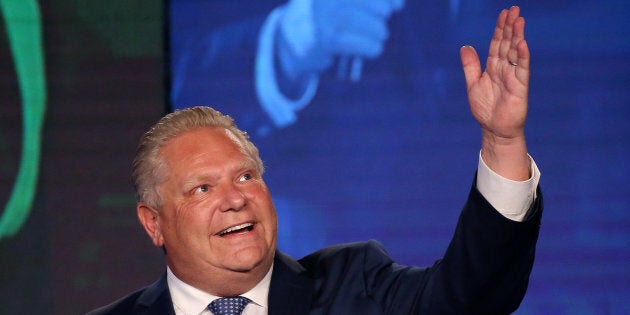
386	148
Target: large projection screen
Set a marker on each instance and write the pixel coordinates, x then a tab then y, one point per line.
388	151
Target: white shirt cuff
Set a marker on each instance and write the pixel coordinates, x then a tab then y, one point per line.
511	198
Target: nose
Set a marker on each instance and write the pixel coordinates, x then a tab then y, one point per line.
233	199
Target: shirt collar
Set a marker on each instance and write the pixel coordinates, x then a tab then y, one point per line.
191	300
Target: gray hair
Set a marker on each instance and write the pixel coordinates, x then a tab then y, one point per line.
149	168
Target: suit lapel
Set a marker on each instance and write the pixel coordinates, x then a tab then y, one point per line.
155	300
290	291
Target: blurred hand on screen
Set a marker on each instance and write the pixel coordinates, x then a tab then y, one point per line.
314	32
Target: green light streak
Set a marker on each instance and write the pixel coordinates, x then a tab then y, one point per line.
23	24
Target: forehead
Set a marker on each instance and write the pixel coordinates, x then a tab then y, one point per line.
207	142
203	149
208	138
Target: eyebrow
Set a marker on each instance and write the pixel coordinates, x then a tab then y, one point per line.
192	181
213	176
249	162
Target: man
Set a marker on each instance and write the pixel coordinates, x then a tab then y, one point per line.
203	200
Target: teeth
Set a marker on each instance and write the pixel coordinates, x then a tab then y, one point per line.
236	228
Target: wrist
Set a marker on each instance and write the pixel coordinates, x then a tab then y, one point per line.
506	156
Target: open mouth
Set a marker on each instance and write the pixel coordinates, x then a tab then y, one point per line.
241	228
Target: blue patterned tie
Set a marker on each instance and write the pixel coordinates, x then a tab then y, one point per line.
228	305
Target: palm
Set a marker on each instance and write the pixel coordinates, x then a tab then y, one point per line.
498	96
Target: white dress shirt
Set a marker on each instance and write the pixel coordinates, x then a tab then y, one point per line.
511	198
188	300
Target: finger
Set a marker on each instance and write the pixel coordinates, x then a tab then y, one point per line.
495	43
518	35
398	4
357	45
471	65
357	33
362	23
524	60
378	8
506	42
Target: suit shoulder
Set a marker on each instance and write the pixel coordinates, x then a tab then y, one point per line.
153	297
347	248
347	254
123	305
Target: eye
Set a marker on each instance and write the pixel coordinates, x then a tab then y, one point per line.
245	177
203	188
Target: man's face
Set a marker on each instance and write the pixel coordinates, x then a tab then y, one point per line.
217	215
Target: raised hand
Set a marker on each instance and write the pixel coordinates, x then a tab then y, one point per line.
498	96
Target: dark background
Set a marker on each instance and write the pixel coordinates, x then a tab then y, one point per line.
107	75
81	245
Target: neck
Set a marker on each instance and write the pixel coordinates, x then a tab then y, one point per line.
221	282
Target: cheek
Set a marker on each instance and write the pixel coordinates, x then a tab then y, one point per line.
266	212
271	219
264	202
259	193
189	221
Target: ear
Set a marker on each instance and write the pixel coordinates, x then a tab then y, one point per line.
149	218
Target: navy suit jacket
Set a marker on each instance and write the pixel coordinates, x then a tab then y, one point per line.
485	270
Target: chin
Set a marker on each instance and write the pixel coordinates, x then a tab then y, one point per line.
248	259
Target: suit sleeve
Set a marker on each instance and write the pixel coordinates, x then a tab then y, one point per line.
485	269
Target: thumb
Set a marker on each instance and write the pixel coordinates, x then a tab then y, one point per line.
471	65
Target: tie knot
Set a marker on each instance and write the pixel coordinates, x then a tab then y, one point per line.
228	305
